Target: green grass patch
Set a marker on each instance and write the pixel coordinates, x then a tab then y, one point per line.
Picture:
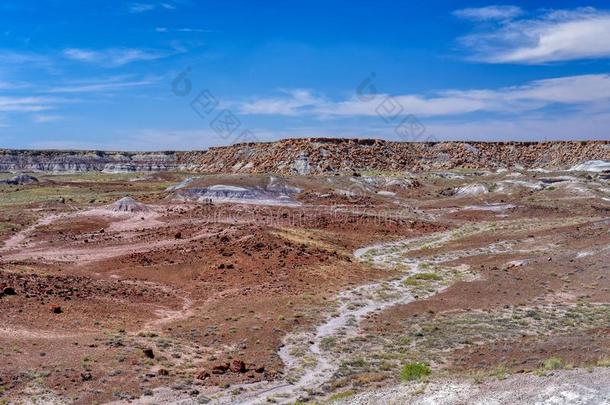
428	277
328	342
411	282
553	363
415	279
341	395
414	371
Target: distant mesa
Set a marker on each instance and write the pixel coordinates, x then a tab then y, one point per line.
323	156
128	204
21	180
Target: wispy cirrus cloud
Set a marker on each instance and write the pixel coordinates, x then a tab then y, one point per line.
290	103
187	30
550	36
25	103
110	84
45	118
113	57
137	8
489	13
570	91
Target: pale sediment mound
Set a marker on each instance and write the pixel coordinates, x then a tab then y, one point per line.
471	190
592	166
128	204
21	179
237	194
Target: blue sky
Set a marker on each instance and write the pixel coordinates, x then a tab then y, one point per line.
185	74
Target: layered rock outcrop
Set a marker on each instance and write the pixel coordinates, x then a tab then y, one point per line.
319	156
85	161
312	156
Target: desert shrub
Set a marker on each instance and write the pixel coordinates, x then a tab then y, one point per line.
341	395
428	276
414	371
605	362
553	363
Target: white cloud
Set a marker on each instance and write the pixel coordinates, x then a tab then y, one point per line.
44	118
137	8
113	57
489	13
10	85
109	84
293	103
554	36
25	104
189	30
575	91
141	8
20	61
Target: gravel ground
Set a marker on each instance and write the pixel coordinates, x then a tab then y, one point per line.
559	387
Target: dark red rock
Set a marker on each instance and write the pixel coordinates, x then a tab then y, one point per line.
8	291
220	368
148	352
238	366
203	375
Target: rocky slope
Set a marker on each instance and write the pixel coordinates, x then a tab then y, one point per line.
85	161
318	156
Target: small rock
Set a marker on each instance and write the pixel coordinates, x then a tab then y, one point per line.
8	291
203	375
178	235
86	376
220	368
148	352
163	371
56	309
238	366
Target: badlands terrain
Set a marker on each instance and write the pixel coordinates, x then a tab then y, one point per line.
307	271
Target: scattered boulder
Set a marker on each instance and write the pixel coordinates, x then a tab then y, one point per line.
220	368
128	204
238	366
301	164
148	352
8	291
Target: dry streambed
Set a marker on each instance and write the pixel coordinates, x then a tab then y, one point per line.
313	359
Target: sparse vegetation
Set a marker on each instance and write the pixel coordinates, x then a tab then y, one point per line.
553	363
414	371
